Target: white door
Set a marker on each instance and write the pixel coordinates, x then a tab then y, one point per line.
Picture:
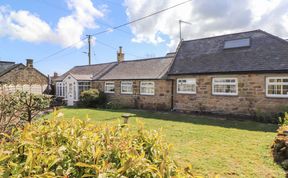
70	96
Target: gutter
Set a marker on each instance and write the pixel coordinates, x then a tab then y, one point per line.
231	72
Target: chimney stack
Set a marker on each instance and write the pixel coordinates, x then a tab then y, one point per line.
120	55
29	63
55	74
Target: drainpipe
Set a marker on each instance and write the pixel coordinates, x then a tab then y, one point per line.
172	95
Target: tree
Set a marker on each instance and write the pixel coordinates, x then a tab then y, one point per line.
20	106
30	105
8	106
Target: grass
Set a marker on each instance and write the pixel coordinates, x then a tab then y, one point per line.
212	145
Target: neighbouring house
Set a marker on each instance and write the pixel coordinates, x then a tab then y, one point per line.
20	77
242	74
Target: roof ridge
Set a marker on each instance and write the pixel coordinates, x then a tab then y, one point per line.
94	64
143	59
275	37
7	62
146	59
217	36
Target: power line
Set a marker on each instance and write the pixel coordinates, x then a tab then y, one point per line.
142	18
63	49
60	8
114	28
114	48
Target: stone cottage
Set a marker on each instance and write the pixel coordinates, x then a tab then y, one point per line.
20	77
241	73
138	84
79	78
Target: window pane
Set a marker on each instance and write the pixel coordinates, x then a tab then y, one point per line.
147	88
225	86
285	89
127	87
274	89
186	85
272	80
109	87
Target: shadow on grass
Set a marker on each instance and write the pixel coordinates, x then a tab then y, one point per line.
193	119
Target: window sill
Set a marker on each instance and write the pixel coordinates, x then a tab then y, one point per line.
187	93
223	94
126	93
147	94
277	96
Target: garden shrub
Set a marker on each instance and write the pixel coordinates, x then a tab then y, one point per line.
59	148
280	145
20	107
112	105
269	117
92	98
31	104
8	116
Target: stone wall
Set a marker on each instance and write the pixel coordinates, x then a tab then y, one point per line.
24	79
22	75
160	101
251	97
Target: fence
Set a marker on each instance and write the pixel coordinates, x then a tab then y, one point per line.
35	89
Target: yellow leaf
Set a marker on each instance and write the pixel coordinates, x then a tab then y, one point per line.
79	164
2	158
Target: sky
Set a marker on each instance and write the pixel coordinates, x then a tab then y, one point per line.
36	29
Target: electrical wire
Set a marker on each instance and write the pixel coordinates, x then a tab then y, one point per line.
142	18
114	28
114	48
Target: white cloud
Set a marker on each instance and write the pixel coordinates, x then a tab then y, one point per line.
207	17
23	25
29	27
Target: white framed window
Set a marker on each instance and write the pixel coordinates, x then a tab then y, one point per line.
65	90
83	86
60	91
277	87
147	88
186	85
126	87
225	86
109	87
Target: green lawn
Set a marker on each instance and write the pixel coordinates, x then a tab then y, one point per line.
212	145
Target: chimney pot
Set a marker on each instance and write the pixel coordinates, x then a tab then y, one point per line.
120	55
29	63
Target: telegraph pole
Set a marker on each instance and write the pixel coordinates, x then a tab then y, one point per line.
89	49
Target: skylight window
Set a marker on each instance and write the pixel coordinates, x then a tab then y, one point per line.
240	43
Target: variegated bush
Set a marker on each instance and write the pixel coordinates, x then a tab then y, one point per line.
76	148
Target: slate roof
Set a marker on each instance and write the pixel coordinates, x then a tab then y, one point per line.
6	66
87	72
151	68
267	53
